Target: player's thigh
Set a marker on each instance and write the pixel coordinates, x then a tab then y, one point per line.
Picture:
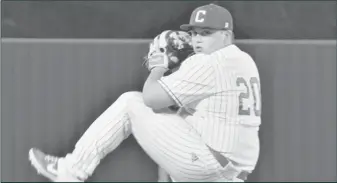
172	143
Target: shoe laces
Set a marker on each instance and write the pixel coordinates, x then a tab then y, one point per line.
50	158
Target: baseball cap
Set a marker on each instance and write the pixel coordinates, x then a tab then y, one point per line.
210	16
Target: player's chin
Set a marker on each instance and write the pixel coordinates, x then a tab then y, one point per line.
198	49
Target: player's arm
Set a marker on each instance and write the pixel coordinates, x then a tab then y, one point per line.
166	52
154	95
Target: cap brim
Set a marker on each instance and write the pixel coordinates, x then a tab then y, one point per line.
186	27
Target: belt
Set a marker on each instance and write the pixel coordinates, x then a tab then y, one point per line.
224	162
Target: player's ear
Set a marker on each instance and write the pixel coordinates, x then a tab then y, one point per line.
227	34
224	35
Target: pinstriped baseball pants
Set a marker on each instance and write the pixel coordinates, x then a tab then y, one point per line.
167	138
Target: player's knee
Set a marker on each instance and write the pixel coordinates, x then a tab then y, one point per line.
131	96
134	103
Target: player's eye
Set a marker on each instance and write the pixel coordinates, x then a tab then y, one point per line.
192	33
205	32
201	33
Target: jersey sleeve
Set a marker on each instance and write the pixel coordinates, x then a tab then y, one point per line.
190	83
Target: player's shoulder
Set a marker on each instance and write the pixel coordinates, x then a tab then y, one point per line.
236	52
239	55
245	55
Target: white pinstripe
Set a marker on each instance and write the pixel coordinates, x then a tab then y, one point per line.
103	136
205	86
166	137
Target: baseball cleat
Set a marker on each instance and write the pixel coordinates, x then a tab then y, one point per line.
45	165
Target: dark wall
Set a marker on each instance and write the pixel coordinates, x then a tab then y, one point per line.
145	19
53	89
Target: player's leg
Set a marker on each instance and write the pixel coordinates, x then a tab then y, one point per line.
163	176
170	141
175	146
103	136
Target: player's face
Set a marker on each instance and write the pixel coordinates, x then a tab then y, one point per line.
206	40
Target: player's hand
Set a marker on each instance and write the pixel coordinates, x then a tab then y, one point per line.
158	59
168	50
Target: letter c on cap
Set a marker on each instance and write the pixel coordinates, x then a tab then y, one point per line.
198	18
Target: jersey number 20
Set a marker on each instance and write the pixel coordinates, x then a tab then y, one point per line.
254	90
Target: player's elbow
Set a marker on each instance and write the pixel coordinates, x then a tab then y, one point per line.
156	97
147	100
151	101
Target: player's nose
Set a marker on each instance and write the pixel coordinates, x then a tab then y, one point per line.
197	36
197	40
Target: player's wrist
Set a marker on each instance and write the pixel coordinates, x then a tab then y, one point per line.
159	69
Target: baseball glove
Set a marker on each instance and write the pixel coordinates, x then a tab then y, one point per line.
168	49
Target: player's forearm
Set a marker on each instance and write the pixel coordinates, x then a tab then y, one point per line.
151	87
152	80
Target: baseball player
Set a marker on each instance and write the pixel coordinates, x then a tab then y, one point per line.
214	134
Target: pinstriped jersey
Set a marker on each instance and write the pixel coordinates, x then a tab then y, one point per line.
221	93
